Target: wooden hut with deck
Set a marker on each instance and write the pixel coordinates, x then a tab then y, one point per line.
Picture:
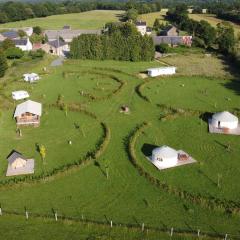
28	113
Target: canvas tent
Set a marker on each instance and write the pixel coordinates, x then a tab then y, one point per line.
224	120
31	77
18	95
154	72
164	157
16	160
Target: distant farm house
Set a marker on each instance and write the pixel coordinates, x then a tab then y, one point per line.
142	28
154	72
28	113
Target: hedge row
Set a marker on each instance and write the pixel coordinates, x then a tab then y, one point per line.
210	202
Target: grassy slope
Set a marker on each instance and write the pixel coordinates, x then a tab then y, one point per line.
86	20
125	197
212	20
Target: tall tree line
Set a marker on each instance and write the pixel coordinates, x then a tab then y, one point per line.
120	42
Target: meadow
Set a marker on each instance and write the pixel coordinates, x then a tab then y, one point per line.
94	92
85	20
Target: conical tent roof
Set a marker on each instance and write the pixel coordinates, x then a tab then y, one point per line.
165	152
225	117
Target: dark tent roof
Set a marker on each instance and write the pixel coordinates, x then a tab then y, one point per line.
57	43
10	34
20	42
13	156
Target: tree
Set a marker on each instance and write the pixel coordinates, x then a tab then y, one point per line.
131	15
225	37
21	33
14	53
37	30
42	151
7	43
3	64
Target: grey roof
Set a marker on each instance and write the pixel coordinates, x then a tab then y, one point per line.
141	23
13	156
68	33
20	42
174	40
10	34
30	107
56	43
66	27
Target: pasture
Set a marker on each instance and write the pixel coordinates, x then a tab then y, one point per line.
85	20
94	92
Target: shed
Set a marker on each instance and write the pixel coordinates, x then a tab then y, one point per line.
154	72
164	157
31	77
28	113
16	160
18	95
224	120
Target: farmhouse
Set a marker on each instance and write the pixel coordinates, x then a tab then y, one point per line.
170	31
141	27
154	72
18	165
68	34
57	47
18	95
28	113
31	77
166	157
23	44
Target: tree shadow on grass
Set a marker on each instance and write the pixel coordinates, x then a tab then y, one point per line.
147	149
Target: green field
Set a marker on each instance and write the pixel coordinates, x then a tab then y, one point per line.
126	197
86	20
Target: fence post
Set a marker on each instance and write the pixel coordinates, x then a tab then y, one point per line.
226	236
171	232
56	216
198	233
142	227
26	214
111	223
82	216
0	211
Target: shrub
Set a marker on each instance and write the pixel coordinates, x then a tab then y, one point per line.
162	48
3	65
37	54
14	52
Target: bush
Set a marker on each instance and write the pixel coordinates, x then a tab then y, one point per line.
3	65
14	52
37	54
162	48
198	42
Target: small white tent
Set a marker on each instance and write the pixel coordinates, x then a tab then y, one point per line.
31	77
18	95
224	120
164	157
154	72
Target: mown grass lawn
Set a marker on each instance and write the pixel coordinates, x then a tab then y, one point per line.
126	197
86	20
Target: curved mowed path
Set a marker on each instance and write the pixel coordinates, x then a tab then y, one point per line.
126	197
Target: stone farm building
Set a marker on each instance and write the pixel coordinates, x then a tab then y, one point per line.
28	113
142	28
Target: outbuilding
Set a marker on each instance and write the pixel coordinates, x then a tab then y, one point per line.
154	72
28	113
224	120
31	77
18	164
164	157
18	95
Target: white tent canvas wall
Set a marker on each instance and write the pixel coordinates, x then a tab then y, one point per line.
154	72
18	95
164	157
224	120
31	77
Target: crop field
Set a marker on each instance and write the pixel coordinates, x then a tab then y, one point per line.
104	174
86	20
